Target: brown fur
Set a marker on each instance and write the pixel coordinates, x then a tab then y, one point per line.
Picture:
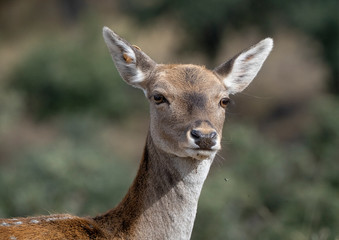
51	227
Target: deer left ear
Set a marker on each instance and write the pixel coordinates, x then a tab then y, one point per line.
132	63
239	72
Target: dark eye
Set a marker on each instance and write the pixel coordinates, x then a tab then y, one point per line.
224	102
158	99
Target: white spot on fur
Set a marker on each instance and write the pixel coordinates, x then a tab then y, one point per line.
13	238
247	65
4	224
57	218
18	223
34	221
51	219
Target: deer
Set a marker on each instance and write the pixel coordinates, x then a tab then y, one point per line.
187	112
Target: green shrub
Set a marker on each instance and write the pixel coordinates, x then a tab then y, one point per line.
74	77
276	190
11	107
74	172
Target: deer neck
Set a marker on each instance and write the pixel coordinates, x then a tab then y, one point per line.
162	201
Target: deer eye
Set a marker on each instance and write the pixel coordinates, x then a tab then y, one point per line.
158	99
224	102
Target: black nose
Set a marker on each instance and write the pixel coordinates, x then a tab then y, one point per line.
204	140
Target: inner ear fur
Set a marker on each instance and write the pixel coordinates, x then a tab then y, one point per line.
132	64
238	72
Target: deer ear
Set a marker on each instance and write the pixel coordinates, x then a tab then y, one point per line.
239	72
132	64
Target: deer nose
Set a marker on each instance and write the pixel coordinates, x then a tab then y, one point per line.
205	141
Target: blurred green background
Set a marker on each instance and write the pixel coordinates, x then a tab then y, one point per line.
72	132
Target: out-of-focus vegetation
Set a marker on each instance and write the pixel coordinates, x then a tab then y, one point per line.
274	191
207	21
72	77
72	132
74	173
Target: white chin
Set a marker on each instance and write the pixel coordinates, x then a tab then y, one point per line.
201	154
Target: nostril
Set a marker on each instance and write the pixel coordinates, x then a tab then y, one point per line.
213	135
204	141
196	134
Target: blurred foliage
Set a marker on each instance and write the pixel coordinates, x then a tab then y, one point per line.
73	173
206	22
11	107
73	77
267	191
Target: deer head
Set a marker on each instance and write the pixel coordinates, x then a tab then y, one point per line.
187	102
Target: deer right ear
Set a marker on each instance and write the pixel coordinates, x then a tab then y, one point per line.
239	72
132	63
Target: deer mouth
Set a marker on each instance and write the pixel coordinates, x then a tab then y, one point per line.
201	153
205	148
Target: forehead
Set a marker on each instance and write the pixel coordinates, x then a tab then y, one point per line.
187	79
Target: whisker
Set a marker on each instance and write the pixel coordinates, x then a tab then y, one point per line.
219	155
218	161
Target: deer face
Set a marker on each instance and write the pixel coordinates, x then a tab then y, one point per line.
187	110
187	102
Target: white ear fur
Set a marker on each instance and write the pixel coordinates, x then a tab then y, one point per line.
238	73
132	64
